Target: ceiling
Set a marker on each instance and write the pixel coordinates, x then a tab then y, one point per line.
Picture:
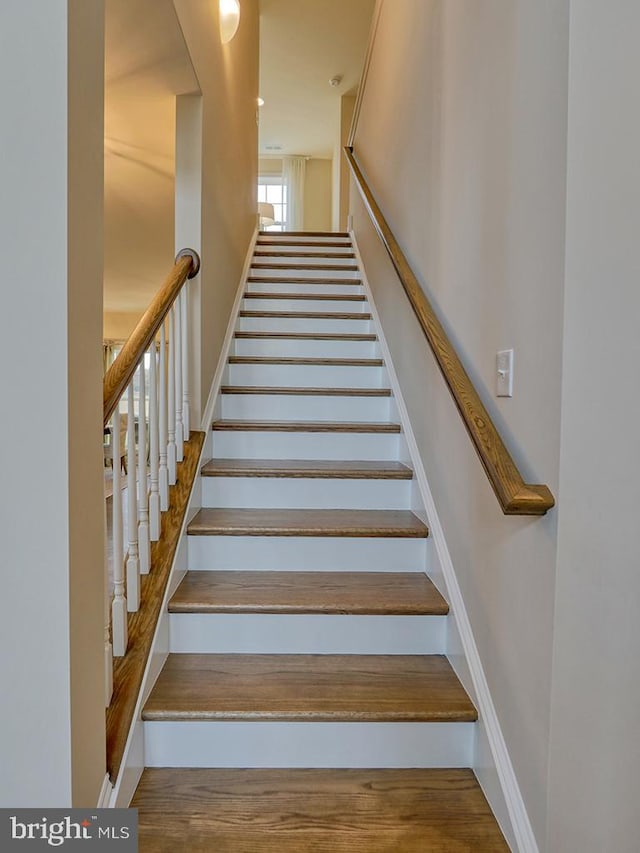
146	66
303	44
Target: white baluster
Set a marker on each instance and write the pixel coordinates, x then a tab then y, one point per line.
119	603
171	408
163	472
108	648
186	414
144	543
133	561
154	494
177	325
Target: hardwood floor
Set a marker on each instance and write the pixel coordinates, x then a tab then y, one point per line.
315	811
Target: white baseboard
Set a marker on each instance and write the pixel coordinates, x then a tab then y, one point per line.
105	793
209	409
520	833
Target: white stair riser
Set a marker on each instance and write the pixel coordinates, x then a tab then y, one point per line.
351	306
345	247
279	744
304	289
312	634
316	260
265	271
301	348
312	325
285	493
306	553
307	375
305	445
290	407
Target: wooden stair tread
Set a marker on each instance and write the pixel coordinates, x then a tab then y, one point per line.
371	688
306	468
284	234
303	426
256	279
306	392
288	254
213	521
337	267
304	336
306	315
321	243
329	362
326	811
319	297
362	593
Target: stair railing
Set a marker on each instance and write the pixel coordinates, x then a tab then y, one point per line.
147	440
514	495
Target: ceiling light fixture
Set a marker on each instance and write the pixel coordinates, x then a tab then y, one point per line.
335	81
261	102
229	19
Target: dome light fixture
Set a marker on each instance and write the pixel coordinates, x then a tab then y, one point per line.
229	19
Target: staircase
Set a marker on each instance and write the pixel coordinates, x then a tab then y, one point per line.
307	703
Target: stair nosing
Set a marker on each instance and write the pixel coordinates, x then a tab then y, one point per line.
253	279
288	391
306	315
307	336
233	424
321	593
285	698
359	524
309	362
279	254
283	234
293	267
319	297
305	469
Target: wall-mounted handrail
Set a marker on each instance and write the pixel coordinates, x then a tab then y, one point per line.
120	374
514	495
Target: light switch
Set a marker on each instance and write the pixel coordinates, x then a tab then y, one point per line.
504	373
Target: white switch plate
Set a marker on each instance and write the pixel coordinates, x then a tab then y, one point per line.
504	373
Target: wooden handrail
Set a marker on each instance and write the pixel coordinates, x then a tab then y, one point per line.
514	495
120	374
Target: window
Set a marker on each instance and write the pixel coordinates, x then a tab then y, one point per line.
272	190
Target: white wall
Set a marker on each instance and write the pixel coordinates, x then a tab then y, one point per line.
595	731
462	135
51	504
228	79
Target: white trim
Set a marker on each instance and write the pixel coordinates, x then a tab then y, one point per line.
207	418
105	793
515	806
373	31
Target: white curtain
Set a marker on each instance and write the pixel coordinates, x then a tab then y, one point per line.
293	171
